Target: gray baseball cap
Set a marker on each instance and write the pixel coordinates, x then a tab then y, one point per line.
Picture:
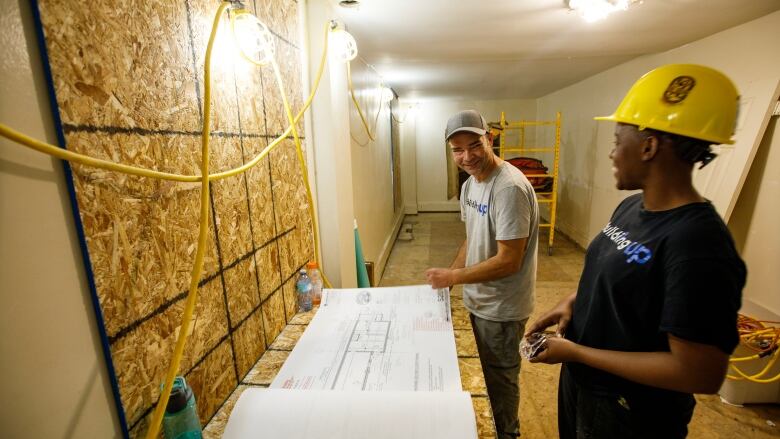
467	120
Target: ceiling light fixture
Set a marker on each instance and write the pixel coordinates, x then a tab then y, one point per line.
349	3
594	10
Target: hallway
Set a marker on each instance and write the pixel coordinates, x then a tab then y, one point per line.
435	240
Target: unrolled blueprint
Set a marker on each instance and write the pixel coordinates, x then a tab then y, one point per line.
317	414
376	339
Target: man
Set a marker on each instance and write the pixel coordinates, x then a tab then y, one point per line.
497	262
654	317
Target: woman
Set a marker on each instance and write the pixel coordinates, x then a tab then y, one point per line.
654	316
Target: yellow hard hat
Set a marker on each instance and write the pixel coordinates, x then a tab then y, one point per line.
686	99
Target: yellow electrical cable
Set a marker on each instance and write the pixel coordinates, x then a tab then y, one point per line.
357	105
189	307
74	157
83	159
315	223
757	337
739	359
766	369
306	105
376	122
301	162
756	378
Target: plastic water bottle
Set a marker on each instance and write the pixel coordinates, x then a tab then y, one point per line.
303	287
316	282
181	414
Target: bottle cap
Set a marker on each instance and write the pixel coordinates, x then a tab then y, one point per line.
312	265
178	399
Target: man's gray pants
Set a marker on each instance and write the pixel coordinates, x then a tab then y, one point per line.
498	344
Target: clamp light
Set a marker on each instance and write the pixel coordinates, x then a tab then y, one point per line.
345	47
252	37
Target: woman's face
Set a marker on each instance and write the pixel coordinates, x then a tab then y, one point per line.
627	165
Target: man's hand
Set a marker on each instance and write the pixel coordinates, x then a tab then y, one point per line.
559	315
440	277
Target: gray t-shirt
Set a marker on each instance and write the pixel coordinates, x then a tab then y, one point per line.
502	207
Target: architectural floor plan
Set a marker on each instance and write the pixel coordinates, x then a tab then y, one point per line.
373	362
378	339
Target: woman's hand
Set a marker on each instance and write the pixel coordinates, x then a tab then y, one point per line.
557	350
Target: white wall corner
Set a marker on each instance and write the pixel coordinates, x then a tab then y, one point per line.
331	158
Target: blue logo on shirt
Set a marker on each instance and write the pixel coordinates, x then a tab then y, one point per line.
481	208
635	251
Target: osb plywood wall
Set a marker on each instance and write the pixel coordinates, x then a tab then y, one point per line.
128	80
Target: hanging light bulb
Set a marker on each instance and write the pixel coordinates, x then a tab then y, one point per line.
594	10
387	94
252	37
345	47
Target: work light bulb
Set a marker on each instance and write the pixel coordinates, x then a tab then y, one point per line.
344	44
252	37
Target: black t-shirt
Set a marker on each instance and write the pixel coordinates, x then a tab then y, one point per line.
651	273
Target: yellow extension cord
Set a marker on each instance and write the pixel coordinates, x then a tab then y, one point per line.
378	109
357	105
189	307
293	121
64	154
755	335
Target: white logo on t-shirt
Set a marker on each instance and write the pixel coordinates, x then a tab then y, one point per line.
636	251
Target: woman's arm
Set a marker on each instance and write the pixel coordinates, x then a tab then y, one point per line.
688	367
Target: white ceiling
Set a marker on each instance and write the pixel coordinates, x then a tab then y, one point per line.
490	49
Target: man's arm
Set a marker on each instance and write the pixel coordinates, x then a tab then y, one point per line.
688	367
507	260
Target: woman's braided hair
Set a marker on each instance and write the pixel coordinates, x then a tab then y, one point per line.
687	148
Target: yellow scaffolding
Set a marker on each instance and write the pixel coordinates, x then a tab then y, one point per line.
550	198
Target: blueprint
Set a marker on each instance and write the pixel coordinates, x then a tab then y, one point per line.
317	414
376	339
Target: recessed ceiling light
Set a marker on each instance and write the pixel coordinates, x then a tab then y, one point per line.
349	3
